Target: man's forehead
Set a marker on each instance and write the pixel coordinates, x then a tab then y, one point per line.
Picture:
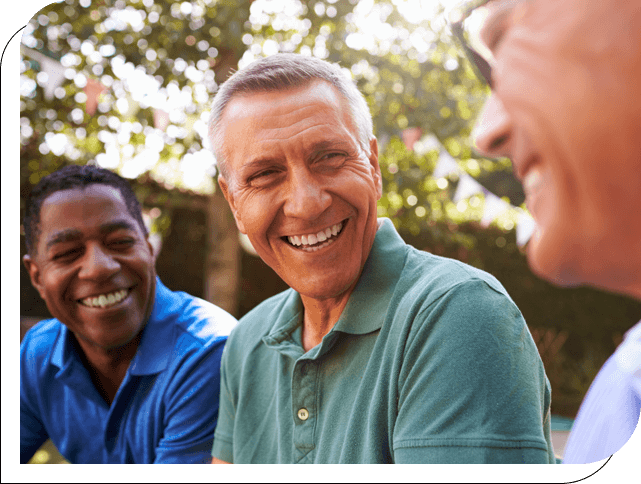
284	100
311	115
70	210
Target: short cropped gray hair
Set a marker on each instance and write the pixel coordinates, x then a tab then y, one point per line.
281	72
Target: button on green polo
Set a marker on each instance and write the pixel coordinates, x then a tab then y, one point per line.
430	362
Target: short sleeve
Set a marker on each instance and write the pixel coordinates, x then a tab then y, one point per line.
224	436
32	431
192	409
472	388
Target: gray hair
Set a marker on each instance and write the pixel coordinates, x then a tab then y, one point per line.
281	72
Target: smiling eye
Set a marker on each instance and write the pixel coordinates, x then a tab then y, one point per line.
263	177
262	174
67	254
123	242
329	156
331	159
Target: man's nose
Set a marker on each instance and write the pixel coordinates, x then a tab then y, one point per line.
98	264
307	196
493	130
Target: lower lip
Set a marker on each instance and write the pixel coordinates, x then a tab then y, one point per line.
326	243
114	306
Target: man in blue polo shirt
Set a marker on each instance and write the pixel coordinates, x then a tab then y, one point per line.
127	371
379	353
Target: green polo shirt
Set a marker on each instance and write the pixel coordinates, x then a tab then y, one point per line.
430	362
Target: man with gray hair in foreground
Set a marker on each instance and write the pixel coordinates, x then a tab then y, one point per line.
565	108
378	352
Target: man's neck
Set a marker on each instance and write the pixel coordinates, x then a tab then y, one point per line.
108	367
320	316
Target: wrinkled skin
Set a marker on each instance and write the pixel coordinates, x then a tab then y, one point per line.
295	167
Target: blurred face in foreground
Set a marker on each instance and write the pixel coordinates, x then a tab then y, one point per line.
566	109
301	187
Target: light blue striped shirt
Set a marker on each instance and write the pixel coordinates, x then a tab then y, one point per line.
610	411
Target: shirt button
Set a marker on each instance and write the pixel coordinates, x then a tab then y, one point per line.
303	414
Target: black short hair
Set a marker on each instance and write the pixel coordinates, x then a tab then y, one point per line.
67	178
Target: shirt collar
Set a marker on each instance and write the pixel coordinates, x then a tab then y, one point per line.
61	347
367	306
156	343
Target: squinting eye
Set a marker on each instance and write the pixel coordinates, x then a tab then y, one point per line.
262	174
67	254
123	242
332	157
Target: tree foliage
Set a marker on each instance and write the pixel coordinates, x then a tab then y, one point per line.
166	58
413	75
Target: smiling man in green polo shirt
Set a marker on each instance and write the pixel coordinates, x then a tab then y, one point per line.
378	353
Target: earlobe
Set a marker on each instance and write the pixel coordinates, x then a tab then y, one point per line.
153	246
222	183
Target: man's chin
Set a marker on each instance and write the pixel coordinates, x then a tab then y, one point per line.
109	343
549	261
322	290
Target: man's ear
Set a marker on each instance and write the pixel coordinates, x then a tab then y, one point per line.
153	243
34	273
227	193
373	159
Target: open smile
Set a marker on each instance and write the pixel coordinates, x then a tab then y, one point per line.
106	300
316	241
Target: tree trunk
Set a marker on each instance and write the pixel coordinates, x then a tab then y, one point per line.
222	266
222	269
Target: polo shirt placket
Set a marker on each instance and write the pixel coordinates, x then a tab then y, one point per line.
117	415
304	408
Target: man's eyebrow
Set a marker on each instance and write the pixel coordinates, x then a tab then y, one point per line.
62	236
313	149
258	163
499	13
117	225
330	144
71	235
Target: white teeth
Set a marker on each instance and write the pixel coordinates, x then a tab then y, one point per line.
312	239
105	300
533	180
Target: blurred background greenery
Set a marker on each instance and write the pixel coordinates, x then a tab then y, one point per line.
126	84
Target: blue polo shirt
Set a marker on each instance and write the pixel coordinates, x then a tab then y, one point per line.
166	408
430	362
